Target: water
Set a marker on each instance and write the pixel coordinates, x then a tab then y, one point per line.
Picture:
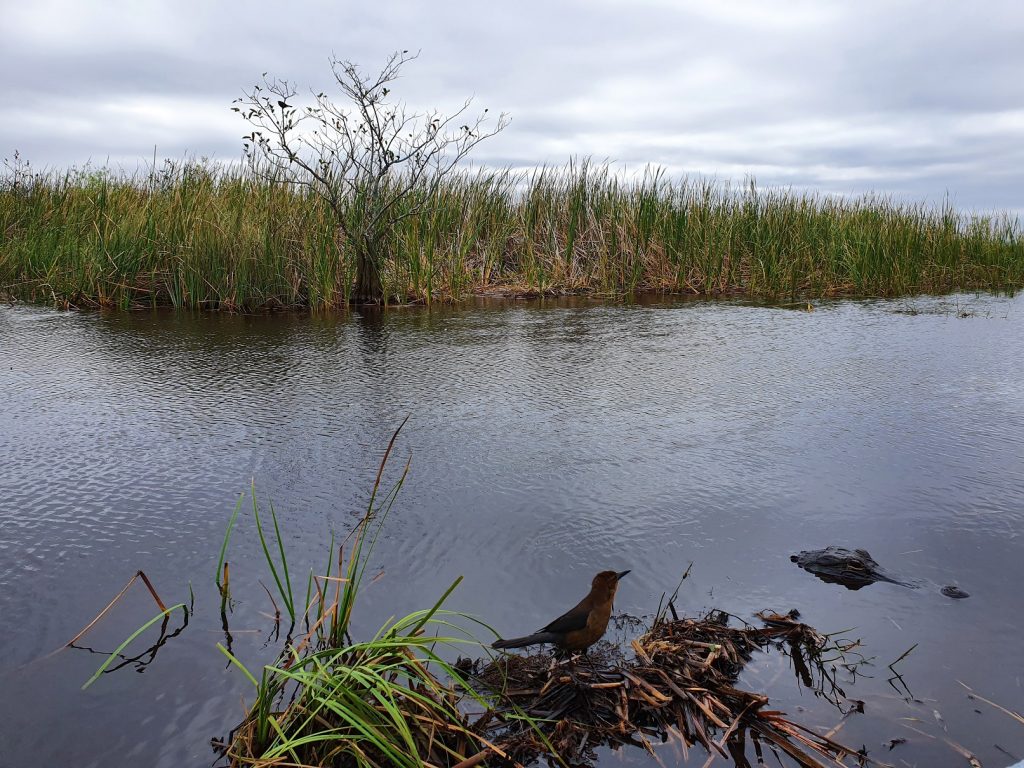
548	441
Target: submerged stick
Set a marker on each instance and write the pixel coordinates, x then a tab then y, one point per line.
903	656
973	695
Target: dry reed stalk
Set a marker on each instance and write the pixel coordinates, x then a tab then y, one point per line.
118	596
667	690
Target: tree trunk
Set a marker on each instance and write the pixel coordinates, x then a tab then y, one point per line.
368	286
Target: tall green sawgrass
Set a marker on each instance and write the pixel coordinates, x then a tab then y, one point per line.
223	236
391	700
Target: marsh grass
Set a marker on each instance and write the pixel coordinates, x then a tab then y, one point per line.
202	235
392	700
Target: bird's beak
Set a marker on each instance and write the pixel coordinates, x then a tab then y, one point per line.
620	574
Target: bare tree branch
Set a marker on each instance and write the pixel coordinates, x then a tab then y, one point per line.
374	162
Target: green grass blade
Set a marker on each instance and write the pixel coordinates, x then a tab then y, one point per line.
234	660
224	545
284	560
286	596
126	643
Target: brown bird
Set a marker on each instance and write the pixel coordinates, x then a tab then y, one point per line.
581	627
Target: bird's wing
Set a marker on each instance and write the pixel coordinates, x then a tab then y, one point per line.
573	619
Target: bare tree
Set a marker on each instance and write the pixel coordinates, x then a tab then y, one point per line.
365	157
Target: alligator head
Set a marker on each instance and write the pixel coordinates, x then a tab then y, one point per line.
852	568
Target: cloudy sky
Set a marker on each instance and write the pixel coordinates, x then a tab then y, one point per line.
914	99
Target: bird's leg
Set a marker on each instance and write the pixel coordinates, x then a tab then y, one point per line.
563	656
586	657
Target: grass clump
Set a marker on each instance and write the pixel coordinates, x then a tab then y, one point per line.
202	235
392	700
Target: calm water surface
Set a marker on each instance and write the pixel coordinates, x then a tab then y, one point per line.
548	441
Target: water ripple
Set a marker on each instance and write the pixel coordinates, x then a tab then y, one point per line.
548	442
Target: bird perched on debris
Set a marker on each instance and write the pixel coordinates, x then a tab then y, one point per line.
581	627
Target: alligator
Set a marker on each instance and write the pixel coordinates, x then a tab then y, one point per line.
855	569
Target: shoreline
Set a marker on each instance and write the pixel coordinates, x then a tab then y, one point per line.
210	236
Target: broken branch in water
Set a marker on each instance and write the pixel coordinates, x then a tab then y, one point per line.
118	596
680	684
972	694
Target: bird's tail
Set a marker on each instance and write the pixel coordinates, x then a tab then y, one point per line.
536	638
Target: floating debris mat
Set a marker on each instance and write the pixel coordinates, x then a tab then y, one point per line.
678	684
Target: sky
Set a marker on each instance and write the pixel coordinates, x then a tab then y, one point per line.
922	101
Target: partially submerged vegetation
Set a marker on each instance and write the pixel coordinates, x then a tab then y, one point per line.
678	685
404	697
329	700
399	699
201	235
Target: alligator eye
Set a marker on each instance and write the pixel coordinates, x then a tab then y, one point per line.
857	564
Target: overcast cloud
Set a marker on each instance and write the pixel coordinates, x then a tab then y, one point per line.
914	99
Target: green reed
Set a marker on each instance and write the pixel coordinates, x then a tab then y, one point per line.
391	700
220	236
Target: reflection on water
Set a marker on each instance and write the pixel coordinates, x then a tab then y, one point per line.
548	441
